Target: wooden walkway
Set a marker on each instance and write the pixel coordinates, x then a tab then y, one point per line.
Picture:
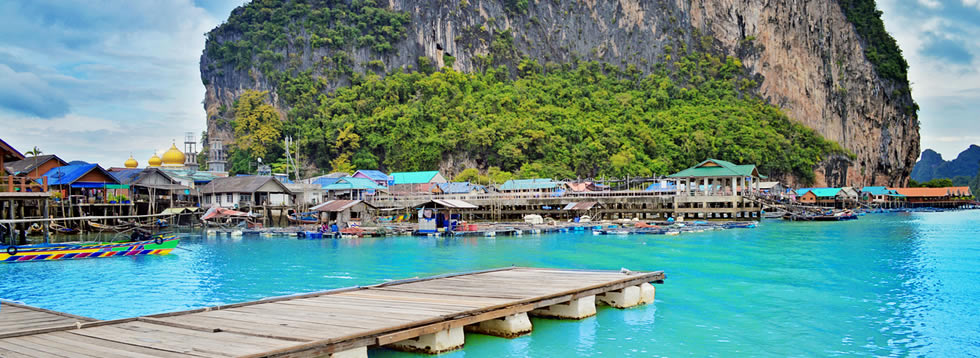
16	318
316	324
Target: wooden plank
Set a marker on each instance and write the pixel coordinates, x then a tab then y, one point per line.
321	322
136	350
119	335
28	347
61	348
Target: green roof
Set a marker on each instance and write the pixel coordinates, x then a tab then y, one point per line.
351	183
724	169
413	177
825	192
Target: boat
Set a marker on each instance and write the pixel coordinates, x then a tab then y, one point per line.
302	219
61	229
35	229
103	227
158	245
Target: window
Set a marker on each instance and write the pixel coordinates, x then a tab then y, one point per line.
244	198
207	199
230	198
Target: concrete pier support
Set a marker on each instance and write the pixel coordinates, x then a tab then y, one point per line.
433	343
574	309
508	326
622	298
353	353
647	293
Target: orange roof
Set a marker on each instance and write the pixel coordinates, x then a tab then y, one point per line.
934	192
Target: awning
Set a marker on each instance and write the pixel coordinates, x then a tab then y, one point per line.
585	205
215	212
88	185
455	204
116	186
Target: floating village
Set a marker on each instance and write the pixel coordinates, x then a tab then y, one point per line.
52	209
46	195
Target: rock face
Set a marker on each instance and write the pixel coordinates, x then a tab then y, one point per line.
808	58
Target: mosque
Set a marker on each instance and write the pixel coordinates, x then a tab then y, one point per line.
173	158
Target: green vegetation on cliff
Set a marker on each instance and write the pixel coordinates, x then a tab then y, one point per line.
255	33
586	119
879	46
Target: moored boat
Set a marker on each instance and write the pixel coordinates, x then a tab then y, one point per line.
305	218
159	245
61	229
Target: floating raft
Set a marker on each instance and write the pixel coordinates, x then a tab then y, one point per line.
421	315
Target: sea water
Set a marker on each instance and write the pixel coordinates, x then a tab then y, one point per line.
884	285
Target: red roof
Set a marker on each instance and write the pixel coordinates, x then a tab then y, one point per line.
934	192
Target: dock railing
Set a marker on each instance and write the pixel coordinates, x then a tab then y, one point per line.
11	184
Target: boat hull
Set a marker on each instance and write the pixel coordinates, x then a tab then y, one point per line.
160	246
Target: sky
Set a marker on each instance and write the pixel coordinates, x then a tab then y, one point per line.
99	80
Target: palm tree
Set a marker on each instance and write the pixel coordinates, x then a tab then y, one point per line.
34	153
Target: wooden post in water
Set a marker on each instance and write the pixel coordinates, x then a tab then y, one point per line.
46	225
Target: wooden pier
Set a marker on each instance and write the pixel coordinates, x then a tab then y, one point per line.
422	315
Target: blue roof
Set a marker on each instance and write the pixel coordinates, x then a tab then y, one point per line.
376	175
413	177
658	187
529	184
126	175
325	181
821	192
68	174
350	183
458	188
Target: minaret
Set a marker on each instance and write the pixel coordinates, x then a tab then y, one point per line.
216	156
190	152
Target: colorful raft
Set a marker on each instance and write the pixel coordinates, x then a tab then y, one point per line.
160	245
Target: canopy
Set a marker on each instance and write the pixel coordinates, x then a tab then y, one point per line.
215	212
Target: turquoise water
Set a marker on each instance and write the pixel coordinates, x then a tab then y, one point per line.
884	285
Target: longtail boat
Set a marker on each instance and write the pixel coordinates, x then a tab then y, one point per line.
159	245
58	228
103	227
305	218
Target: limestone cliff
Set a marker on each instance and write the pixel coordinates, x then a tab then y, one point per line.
808	59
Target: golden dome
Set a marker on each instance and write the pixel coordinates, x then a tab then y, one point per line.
173	157
154	161
131	163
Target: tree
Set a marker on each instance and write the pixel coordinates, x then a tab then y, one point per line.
34	153
258	128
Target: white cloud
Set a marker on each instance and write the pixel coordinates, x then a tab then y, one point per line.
932	4
127	71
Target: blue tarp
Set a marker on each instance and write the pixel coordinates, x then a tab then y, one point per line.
87	185
70	173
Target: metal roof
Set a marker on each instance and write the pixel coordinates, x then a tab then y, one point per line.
375	175
9	151
459	188
452	204
413	177
243	184
350	183
528	184
934	192
717	168
29	163
820	192
337	205
585	205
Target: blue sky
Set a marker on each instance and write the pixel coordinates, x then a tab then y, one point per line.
98	80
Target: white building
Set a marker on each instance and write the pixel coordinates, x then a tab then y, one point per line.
245	191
